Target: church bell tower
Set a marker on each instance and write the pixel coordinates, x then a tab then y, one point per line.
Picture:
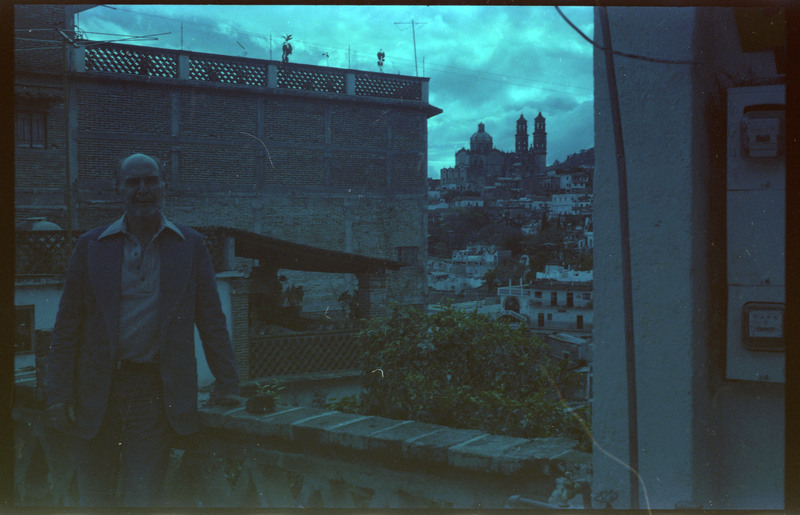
521	138
539	144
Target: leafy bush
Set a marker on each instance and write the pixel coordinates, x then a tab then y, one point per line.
465	370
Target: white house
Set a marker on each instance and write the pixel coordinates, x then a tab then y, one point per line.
469	202
558	299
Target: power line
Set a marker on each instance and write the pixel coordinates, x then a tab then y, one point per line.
504	75
366	57
617	52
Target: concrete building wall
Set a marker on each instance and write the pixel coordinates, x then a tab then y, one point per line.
703	440
44	295
333	170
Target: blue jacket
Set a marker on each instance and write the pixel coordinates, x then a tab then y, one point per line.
83	348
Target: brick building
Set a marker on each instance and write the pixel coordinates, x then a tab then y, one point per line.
319	156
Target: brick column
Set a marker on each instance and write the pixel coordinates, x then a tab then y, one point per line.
372	294
240	324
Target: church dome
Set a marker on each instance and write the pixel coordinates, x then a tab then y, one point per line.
481	140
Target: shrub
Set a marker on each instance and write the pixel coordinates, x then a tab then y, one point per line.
462	369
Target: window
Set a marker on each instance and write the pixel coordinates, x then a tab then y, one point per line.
541	320
30	129
587	296
24	322
554	298
408	256
537	294
549	316
570	297
579	322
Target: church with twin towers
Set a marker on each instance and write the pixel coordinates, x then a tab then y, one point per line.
483	166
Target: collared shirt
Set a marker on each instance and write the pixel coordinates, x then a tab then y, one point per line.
139	306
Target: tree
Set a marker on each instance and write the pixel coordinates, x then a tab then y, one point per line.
462	369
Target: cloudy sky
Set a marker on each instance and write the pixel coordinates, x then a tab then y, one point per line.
486	63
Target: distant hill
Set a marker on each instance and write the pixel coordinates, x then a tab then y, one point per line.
583	158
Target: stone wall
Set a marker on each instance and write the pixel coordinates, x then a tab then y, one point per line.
308	457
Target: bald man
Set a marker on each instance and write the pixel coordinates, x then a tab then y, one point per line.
122	374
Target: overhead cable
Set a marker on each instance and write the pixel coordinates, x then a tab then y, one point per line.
617	52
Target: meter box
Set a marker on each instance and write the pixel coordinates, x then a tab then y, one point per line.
756	233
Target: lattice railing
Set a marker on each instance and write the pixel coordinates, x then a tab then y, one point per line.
154	62
133	60
303	353
310	79
47	252
376	85
228	72
42	252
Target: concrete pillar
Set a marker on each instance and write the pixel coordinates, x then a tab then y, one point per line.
372	294
272	75
183	66
78	59
350	83
229	253
703	441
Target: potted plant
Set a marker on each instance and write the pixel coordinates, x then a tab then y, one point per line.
265	398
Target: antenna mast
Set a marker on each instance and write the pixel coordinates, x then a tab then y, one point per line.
414	36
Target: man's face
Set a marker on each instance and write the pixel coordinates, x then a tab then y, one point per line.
141	190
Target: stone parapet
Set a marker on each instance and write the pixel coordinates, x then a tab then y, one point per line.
403	440
316	458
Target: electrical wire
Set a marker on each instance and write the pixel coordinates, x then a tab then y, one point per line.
368	57
617	52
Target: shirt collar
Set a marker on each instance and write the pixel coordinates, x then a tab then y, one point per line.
119	226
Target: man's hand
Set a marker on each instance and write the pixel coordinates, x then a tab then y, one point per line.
223	399
61	414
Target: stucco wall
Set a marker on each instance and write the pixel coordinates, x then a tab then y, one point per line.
699	445
43	294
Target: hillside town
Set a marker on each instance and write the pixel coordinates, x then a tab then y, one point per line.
344	332
545	213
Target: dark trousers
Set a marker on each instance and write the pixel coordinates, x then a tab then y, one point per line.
132	447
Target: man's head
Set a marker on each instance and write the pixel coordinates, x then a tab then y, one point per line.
140	188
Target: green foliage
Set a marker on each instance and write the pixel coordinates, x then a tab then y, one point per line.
346	404
460	227
272	388
462	369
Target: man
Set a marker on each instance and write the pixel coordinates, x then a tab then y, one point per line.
122	374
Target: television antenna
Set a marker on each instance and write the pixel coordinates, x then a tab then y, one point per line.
414	36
